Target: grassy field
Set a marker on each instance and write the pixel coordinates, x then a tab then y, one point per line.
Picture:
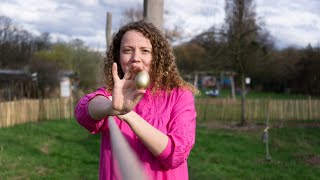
233	154
62	150
225	93
48	150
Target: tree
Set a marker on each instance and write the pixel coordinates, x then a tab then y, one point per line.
132	15
47	74
42	42
75	56
243	42
59	53
190	57
15	45
308	79
85	63
213	47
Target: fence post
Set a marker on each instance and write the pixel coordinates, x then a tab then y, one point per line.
205	110
309	108
70	107
268	111
41	109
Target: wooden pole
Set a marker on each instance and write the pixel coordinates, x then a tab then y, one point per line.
233	91
309	108
196	79
243	100
108	29
268	157
153	12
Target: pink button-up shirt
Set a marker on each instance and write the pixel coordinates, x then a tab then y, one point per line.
172	113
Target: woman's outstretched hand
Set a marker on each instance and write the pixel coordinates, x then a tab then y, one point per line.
125	95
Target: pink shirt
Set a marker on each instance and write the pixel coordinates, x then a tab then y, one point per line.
172	113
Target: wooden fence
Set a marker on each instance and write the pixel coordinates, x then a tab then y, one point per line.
33	110
257	110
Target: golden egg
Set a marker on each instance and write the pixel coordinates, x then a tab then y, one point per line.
142	79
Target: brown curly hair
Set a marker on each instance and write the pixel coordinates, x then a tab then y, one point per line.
164	73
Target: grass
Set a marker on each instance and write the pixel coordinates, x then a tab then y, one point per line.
225	93
49	149
241	155
61	149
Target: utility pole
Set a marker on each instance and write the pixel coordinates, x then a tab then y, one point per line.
153	12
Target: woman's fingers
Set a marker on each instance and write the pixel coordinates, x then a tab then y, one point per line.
132	71
128	73
139	92
115	75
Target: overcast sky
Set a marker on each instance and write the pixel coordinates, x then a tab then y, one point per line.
290	22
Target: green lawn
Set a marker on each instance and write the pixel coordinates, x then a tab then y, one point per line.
225	93
61	149
230	154
49	149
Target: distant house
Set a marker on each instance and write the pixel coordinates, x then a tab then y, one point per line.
15	84
68	83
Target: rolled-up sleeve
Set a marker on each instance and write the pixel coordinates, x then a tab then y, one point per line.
181	133
82	113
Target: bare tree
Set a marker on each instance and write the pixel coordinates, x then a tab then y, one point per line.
132	14
15	45
244	46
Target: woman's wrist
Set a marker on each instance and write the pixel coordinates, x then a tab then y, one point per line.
127	117
113	112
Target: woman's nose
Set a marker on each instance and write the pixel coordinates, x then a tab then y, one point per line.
136	56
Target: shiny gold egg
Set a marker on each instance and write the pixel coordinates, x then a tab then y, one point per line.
142	79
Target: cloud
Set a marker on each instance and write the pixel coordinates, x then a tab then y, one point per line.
291	22
193	17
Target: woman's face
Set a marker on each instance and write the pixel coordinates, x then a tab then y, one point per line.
136	51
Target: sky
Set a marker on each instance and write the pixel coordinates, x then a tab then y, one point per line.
289	22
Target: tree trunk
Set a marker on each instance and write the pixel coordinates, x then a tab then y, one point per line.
243	100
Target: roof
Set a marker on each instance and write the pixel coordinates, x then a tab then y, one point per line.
11	75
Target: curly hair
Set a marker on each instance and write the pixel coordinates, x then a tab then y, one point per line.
164	73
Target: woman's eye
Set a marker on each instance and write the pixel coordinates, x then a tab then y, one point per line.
126	50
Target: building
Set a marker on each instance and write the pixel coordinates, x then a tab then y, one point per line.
15	84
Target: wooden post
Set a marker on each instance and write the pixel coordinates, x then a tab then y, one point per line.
233	91
108	29
309	108
196	79
243	100
153	12
60	108
71	107
266	132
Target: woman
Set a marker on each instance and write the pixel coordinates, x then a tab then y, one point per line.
158	122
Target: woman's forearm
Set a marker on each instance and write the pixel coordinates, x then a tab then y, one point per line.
100	107
155	140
